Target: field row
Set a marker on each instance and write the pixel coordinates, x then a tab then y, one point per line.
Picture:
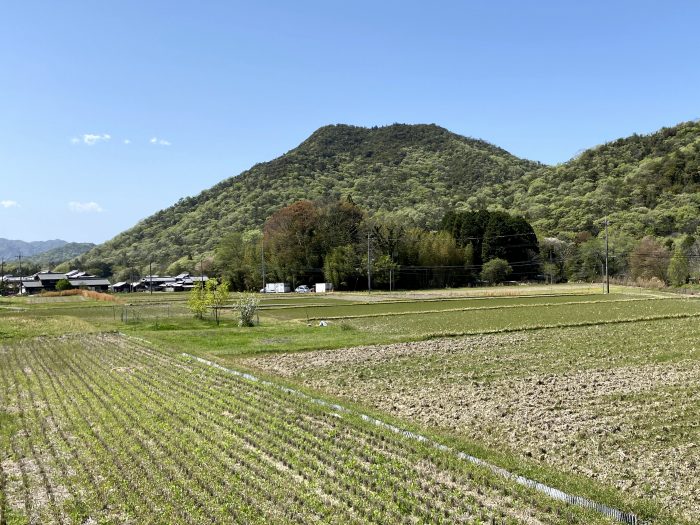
101	428
395	307
476	321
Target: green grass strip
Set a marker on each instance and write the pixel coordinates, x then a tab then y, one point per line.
476	308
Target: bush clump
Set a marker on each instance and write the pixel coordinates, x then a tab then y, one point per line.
247	305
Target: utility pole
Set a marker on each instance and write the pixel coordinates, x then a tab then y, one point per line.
262	260
607	275
20	272
150	277
369	268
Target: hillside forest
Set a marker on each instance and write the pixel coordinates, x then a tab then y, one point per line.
336	241
405	179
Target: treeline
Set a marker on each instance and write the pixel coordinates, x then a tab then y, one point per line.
335	241
650	261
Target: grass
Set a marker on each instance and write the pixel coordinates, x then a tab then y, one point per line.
532	316
15	327
286	330
380	309
229	341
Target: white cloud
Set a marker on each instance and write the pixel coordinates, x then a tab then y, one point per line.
9	204
91	139
85	207
127	141
159	142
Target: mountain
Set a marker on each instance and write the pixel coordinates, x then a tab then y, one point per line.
413	172
647	184
10	249
51	258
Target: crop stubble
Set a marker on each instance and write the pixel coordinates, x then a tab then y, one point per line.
619	404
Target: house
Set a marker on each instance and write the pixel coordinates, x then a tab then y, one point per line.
96	284
39	282
45	281
179	283
121	286
30	287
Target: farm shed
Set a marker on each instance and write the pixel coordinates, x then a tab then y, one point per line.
121	286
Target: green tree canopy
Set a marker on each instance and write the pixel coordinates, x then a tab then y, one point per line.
496	271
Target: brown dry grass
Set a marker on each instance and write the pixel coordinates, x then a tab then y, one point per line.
89	294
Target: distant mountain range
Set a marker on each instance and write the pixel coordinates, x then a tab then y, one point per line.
51	258
42	252
646	184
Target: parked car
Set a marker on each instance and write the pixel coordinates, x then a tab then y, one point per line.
302	289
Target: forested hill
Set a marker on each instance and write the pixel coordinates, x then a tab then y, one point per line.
50	258
414	172
647	184
11	248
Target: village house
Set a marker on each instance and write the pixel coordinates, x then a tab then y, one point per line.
162	283
45	281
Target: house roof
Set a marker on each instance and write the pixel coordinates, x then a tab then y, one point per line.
89	282
119	284
50	276
32	284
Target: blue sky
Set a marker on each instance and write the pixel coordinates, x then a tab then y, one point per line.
110	111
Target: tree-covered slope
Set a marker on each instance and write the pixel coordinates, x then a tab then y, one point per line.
647	184
51	258
414	172
11	248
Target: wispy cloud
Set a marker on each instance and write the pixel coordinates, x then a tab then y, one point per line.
9	204
159	142
84	207
127	141
91	139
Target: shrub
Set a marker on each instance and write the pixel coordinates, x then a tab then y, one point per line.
652	282
496	271
217	296
678	268
197	302
62	285
247	305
